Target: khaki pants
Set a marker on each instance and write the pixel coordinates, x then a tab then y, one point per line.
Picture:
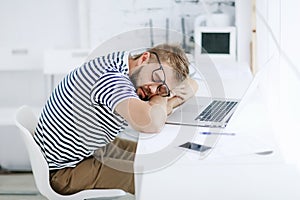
111	167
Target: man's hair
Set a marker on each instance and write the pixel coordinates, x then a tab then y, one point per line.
174	56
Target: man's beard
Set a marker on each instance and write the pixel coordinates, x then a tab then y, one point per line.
133	78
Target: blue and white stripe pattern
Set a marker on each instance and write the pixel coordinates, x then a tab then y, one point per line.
79	116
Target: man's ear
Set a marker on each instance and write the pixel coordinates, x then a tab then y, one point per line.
144	58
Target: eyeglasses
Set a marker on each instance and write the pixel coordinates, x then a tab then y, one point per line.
159	76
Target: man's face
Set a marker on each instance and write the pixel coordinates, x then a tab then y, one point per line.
142	79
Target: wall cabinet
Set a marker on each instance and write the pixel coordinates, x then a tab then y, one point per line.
24	58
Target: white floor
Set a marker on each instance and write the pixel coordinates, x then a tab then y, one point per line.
21	186
18	186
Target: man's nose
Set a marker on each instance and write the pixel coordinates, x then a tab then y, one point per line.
153	88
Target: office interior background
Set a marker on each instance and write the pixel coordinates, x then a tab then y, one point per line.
34	33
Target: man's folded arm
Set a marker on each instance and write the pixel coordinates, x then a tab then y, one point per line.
182	93
144	116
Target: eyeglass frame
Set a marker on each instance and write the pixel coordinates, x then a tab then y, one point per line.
163	82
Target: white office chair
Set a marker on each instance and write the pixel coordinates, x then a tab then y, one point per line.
26	122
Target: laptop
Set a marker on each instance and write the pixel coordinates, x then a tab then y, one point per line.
204	112
210	112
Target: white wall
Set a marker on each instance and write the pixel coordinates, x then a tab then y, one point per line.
243	23
278	43
48	23
290	79
27	29
108	20
36	25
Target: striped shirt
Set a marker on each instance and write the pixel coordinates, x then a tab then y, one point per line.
79	116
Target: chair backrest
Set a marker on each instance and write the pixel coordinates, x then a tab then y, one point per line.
26	122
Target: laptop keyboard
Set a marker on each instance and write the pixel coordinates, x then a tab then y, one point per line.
216	111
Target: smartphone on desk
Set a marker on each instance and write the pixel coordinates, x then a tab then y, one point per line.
195	147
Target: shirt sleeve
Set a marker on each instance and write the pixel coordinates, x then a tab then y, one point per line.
111	89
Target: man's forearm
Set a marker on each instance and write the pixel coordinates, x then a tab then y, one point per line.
158	112
173	103
148	117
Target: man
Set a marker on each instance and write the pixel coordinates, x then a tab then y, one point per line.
95	102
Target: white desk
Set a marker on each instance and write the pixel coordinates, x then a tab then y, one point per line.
229	171
215	182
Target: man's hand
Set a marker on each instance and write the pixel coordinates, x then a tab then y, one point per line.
186	89
182	93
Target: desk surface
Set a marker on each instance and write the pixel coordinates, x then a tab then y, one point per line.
232	170
215	182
